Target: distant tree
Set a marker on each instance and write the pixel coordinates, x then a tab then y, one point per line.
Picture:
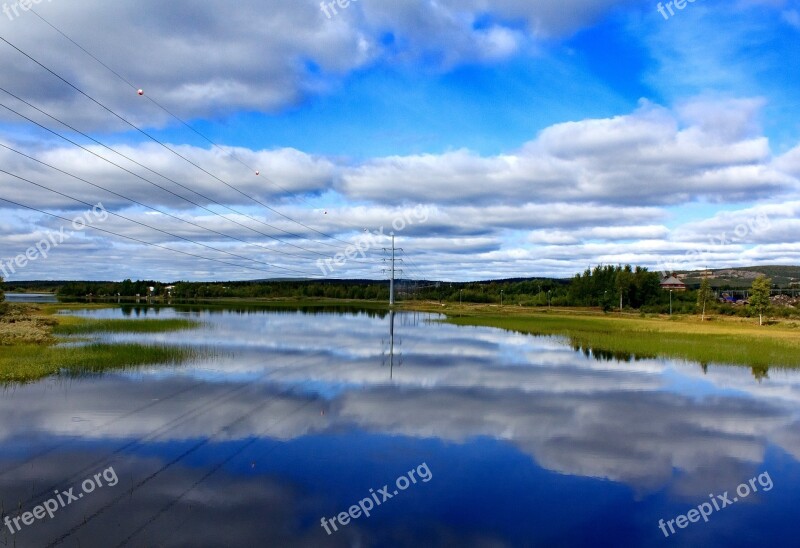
646	287
623	283
759	296
126	288
580	290
704	295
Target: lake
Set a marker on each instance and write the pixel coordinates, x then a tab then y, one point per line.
31	298
365	428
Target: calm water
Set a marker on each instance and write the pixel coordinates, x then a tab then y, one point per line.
31	298
512	440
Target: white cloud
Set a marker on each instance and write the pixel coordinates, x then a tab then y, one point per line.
214	59
645	158
580	193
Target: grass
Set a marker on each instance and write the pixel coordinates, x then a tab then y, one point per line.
29	349
72	325
728	341
24	324
27	363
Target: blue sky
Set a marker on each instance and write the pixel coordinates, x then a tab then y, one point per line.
539	138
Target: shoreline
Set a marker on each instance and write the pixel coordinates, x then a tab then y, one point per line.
627	336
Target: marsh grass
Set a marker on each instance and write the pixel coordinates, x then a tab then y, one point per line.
22	324
29	349
732	341
31	362
73	325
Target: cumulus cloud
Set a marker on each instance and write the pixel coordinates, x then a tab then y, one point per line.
645	158
597	190
215	59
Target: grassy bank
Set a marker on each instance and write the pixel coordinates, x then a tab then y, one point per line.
30	350
728	340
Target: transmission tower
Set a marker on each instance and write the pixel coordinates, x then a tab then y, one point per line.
392	270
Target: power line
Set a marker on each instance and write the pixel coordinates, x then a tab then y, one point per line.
161	144
413	265
211	200
160	187
155	209
148	180
145	179
164	145
149	97
165	189
134	239
151	227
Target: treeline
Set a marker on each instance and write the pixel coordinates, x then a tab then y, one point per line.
360	290
607	287
529	292
349	289
524	292
602	286
126	288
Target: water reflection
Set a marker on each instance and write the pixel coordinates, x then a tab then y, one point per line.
31	298
305	412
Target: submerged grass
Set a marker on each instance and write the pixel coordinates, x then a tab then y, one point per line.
29	362
29	349
723	342
72	325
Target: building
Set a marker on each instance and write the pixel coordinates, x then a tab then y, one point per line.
673	283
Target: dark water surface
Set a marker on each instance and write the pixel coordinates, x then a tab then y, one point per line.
488	438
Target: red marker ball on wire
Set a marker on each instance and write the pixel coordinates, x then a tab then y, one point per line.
140	92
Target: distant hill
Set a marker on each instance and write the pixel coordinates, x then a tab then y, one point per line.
782	276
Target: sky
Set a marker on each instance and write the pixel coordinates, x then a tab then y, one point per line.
495	139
